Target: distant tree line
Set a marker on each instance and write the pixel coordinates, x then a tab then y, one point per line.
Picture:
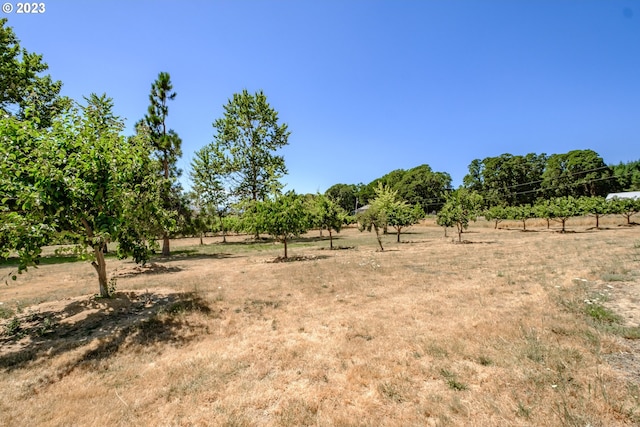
513	180
505	180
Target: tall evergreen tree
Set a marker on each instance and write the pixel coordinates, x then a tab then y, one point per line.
167	148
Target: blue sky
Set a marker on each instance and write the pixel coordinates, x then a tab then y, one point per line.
365	87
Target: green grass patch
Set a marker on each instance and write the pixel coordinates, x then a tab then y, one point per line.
613	277
601	314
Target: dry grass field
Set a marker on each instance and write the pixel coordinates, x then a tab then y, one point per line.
512	328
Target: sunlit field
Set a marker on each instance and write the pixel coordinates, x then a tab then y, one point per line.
509	328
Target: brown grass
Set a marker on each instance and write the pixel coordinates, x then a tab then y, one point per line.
427	333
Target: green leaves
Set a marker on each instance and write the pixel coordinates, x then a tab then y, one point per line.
23	90
462	206
387	209
79	176
283	217
245	141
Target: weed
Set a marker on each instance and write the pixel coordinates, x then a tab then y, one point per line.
600	314
613	277
485	361
522	411
6	312
391	392
14	328
535	349
452	381
436	351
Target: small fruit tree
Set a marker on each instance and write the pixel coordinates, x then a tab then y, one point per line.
462	206
283	217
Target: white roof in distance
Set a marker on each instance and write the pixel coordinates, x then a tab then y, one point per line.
628	195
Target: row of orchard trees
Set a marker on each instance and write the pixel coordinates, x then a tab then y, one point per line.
563	208
463	206
285	216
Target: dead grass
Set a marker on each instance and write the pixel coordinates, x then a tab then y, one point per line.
492	333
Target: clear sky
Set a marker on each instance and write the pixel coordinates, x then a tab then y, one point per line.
365	87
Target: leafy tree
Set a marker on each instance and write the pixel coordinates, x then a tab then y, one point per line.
462	206
577	173
625	207
376	217
594	206
417	185
166	144
329	215
345	195
208	175
24	91
506	179
80	177
628	176
521	213
544	209
245	142
497	214
233	222
563	208
423	186
402	215
283	217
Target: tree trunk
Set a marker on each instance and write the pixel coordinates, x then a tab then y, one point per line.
378	237
330	240
459	232
398	235
101	269
285	248
101	265
165	246
320	231
224	232
201	242
597	221
524	224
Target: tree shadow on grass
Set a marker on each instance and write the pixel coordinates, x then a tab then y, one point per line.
313	239
296	258
469	242
103	325
149	268
53	259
